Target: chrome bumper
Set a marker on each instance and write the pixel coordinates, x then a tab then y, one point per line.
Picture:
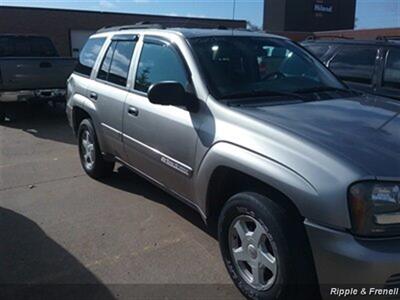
26	95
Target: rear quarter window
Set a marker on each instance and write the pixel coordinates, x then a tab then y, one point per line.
88	55
26	46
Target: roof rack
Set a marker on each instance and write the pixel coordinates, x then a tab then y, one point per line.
318	37
388	38
139	25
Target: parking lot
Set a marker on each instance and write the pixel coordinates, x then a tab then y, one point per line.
58	226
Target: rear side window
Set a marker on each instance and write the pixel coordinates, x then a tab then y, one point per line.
355	64
391	75
116	63
159	62
318	50
88	55
105	65
23	46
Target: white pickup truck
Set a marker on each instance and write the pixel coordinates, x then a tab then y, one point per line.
31	70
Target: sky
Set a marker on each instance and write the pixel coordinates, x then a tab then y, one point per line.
369	13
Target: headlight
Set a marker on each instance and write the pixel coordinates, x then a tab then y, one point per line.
375	208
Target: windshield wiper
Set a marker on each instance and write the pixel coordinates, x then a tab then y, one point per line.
318	89
260	94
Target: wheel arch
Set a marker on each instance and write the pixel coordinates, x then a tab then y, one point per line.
228	169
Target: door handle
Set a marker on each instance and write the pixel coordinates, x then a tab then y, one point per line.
133	111
93	96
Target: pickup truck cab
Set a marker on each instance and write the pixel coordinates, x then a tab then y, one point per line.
371	66
301	174
31	70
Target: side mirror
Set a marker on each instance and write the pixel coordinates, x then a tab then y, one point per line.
167	93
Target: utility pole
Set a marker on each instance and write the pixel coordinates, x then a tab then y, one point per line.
234	10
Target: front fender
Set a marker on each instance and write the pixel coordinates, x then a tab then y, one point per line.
307	198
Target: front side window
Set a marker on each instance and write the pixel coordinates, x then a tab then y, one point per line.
355	64
159	62
237	67
116	62
88	55
391	75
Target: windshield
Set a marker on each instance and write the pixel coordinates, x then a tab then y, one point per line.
237	67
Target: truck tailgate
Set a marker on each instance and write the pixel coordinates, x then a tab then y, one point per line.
21	73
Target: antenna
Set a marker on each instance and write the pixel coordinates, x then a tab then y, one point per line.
234	10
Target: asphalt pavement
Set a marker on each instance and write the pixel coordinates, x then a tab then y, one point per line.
70	236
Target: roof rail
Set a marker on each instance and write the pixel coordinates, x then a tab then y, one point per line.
317	37
388	38
139	25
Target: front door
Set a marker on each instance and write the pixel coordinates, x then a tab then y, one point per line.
160	141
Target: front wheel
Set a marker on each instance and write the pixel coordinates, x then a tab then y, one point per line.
265	249
91	157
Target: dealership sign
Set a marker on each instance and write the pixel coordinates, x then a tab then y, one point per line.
323	8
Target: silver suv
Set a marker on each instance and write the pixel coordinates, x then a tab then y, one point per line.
301	173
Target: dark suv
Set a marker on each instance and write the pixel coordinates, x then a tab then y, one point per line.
370	66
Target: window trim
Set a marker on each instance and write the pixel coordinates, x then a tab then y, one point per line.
158	40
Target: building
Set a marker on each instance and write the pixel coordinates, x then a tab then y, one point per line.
308	15
69	29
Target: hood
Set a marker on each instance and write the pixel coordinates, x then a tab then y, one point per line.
365	130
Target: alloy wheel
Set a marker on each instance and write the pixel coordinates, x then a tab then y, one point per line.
252	252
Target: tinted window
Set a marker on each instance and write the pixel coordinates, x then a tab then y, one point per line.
241	66
391	76
19	46
121	62
88	55
158	63
318	50
355	64
105	65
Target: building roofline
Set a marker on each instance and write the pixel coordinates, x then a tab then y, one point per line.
120	13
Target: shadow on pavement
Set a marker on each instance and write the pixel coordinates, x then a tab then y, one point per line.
128	181
33	266
41	120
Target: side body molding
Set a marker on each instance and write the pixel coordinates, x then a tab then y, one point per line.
262	168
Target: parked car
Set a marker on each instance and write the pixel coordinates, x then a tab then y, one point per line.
371	66
302	173
31	70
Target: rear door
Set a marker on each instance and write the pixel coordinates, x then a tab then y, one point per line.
357	65
109	91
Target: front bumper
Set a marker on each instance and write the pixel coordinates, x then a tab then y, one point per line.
341	260
32	95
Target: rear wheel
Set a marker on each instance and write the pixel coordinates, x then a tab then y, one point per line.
91	157
265	249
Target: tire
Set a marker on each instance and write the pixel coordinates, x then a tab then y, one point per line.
272	245
90	155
